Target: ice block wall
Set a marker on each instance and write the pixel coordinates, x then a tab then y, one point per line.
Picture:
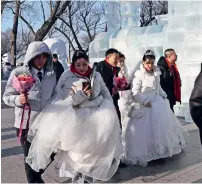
184	34
101	43
181	30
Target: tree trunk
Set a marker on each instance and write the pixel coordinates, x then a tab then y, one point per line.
3	4
150	11
45	28
66	36
14	33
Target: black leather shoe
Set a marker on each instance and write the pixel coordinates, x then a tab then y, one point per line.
122	165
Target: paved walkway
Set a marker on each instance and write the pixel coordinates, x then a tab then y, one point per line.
183	168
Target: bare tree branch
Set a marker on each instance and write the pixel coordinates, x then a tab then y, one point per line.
41	33
64	21
51	8
149	9
83	21
18	57
3	5
14	32
25	21
66	37
28	25
57	5
44	16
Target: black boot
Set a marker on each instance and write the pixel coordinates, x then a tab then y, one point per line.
122	165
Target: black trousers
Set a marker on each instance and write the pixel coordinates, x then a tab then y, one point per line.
32	175
171	105
200	131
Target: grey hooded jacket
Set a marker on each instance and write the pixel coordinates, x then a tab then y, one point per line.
41	92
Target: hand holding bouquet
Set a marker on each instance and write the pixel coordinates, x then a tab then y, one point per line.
22	83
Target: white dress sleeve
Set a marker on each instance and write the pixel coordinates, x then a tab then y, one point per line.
104	90
136	90
162	92
64	90
11	97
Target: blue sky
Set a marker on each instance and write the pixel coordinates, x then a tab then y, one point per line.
33	16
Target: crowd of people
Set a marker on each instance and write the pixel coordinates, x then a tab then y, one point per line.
97	118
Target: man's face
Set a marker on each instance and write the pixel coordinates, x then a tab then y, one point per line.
113	59
39	61
55	59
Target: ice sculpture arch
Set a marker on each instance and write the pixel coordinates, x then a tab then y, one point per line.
180	29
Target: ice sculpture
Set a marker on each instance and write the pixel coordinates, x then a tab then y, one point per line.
101	43
130	13
58	47
180	29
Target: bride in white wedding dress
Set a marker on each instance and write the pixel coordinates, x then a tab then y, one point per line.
80	125
152	130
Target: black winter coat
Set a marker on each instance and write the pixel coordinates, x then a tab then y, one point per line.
58	69
167	80
195	103
107	74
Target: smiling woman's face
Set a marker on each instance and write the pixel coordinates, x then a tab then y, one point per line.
121	62
81	65
149	64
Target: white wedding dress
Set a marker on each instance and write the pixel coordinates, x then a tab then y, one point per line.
125	95
86	137
150	133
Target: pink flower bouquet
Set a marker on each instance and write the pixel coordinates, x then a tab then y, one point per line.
121	83
22	84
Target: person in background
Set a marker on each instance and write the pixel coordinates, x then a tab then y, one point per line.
19	64
82	127
7	68
170	77
152	130
37	63
109	70
122	65
126	92
57	66
195	103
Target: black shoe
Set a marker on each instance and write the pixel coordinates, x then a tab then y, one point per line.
41	181
122	165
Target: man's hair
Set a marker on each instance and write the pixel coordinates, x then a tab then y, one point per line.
167	51
111	51
121	55
55	56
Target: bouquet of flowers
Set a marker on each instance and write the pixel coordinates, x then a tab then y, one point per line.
121	83
22	83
